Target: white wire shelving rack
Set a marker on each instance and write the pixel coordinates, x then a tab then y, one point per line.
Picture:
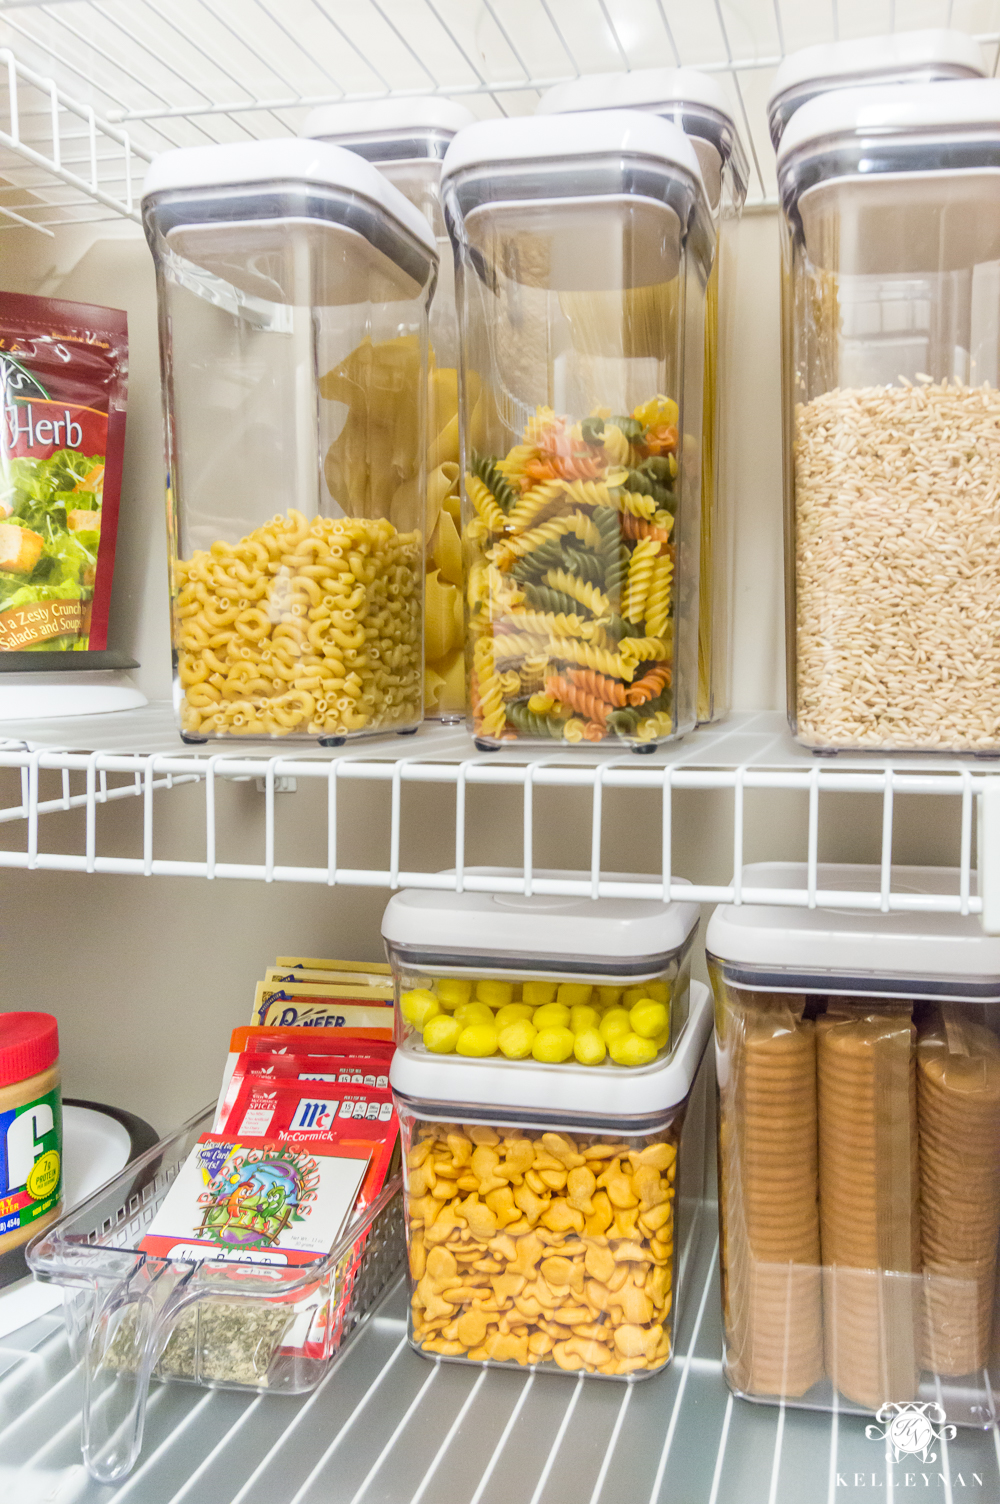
94	88
744	755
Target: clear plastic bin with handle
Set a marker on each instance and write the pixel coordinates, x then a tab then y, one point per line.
293	282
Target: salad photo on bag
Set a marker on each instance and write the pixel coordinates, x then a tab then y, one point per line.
63	376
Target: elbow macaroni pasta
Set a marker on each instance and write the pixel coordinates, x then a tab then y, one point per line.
309	628
570	576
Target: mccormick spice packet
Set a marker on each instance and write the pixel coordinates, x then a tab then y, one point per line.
360	1070
63	376
299	1003
343	1042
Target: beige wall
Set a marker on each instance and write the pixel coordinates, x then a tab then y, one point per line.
147	976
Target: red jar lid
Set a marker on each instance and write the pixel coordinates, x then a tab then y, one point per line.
29	1043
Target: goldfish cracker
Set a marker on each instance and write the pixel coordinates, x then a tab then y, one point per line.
418	1005
616	1021
632	1049
551	1016
452	991
474	1013
570	994
589	1047
441	1034
517	1038
495	994
583	1017
477	1039
557	1276
538	993
512	1013
553	1045
648	1018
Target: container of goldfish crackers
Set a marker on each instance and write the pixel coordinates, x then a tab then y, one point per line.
541	1208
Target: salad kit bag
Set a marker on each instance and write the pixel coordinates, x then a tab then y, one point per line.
63	376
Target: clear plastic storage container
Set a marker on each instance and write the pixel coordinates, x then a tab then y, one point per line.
406	140
902	57
577	982
132	1317
858	1057
891	373
583	245
293	284
698	104
542	1209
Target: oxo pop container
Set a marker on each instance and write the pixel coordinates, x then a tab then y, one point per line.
587	984
891	370
698	105
858	1057
544	1209
406	139
293	284
902	57
583	248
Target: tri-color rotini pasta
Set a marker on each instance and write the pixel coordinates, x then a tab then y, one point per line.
301	628
570	579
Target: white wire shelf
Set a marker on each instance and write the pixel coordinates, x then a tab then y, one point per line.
137	756
388	1427
134	77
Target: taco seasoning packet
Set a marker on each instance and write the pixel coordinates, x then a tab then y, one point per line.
63	376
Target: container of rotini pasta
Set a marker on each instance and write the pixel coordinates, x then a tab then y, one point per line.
584	245
293	284
698	104
406	139
544	1211
597	987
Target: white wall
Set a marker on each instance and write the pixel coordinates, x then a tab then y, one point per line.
147	977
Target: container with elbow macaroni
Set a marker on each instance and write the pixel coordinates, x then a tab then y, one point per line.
544	1206
30	1126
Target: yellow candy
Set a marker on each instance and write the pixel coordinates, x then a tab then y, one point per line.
496	994
632	1049
658	991
477	1039
661	1039
537	993
589	1048
452	991
441	1034
551	1016
616	1021
582	1018
648	1018
473	1013
571	993
634	995
517	1039
608	997
418	1005
553	1045
513	1013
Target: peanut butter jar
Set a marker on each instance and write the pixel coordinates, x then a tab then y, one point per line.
30	1126
543	1205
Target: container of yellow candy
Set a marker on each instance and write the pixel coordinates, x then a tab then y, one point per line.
540	979
542	1207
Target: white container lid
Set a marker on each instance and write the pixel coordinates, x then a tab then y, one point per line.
971	104
399	119
542	933
532	138
288	160
605	1091
863	951
651	89
941	54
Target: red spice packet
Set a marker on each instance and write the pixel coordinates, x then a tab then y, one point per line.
63	377
308	1041
352	1070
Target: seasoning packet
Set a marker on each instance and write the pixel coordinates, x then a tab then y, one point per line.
298	1003
358	1070
298	963
367	978
63	377
345	1041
